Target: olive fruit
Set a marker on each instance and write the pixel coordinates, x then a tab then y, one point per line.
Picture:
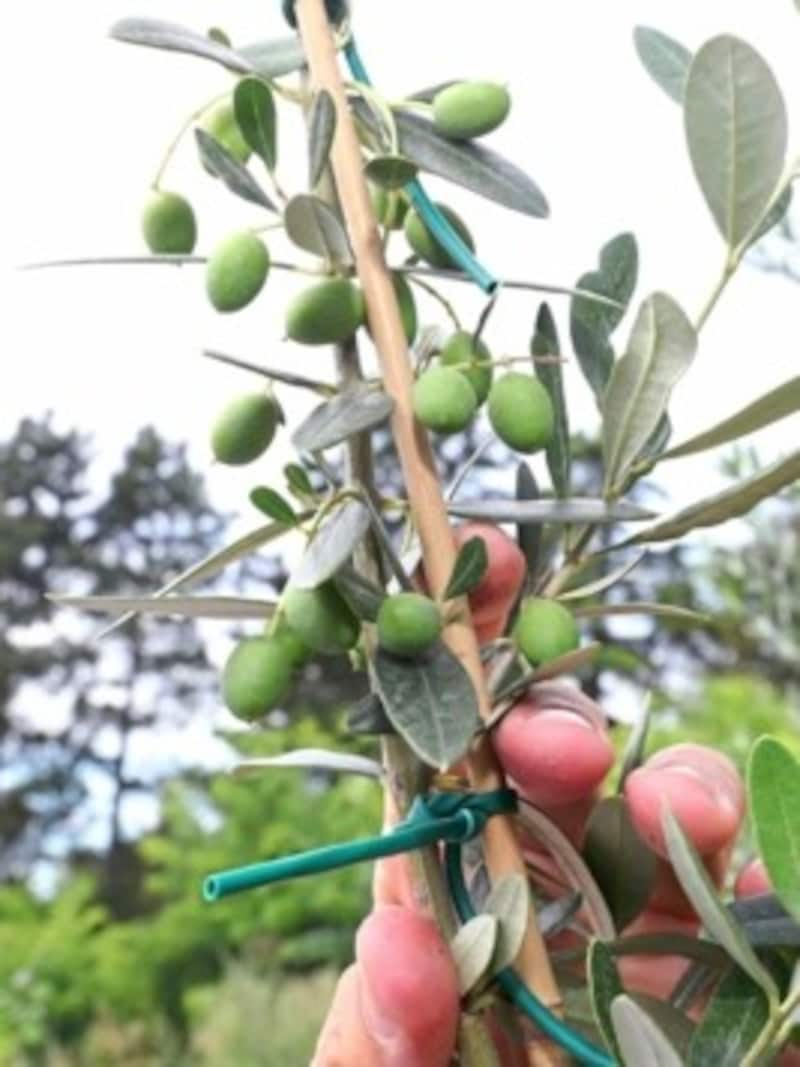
168	224
472	359
408	623
407	306
425	244
245	429
255	678
470	109
521	412
444	400
236	271
220	122
390	207
326	313
545	630
321	619
296	650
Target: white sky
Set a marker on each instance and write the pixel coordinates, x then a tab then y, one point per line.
112	349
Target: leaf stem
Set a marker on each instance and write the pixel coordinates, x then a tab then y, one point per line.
731	263
172	147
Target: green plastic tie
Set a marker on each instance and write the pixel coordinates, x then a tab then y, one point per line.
449	817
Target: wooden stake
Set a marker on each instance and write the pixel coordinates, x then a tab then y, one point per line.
501	847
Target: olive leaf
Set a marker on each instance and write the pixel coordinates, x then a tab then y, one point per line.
316	759
777	404
735	1016
332	545
298	481
523	512
591	324
633	753
465	163
600	585
344	416
191	607
368	717
637	607
529	535
272	373
639	1039
230	171
427	95
671	944
717	920
390	172
545	343
472	949
154	33
605	986
736	130
671	1021
509	902
661	348
363	597
773	788
665	60
316	228
273	59
431	702
622	864
321	132
254	107
780	208
729	504
470	567
273	505
213	564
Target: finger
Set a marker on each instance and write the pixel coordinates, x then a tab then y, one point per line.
492	599
399	1005
705	793
752	880
554	746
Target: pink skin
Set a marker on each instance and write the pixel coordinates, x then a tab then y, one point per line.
397	1006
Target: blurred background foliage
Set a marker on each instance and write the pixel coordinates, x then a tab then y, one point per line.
113	811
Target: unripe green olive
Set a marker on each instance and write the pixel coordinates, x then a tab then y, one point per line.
236	271
444	400
470	109
521	412
322	619
425	244
390	207
256	678
326	313
168	224
220	122
407	306
245	429
408	624
285	637
474	361
545	630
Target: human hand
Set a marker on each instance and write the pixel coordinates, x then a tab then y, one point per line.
398	1005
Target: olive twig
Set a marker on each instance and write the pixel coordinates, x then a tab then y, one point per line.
431	290
172	147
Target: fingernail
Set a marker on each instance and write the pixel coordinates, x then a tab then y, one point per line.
717	789
573	718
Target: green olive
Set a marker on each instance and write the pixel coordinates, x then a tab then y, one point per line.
425	244
521	412
545	630
470	109
236	271
408	624
245	429
473	360
168	224
326	313
322	619
390	207
444	400
220	122
256	678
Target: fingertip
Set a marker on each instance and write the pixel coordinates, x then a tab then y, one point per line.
409	988
752	880
554	745
702	789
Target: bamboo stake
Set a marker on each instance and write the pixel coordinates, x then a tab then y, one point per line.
502	851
